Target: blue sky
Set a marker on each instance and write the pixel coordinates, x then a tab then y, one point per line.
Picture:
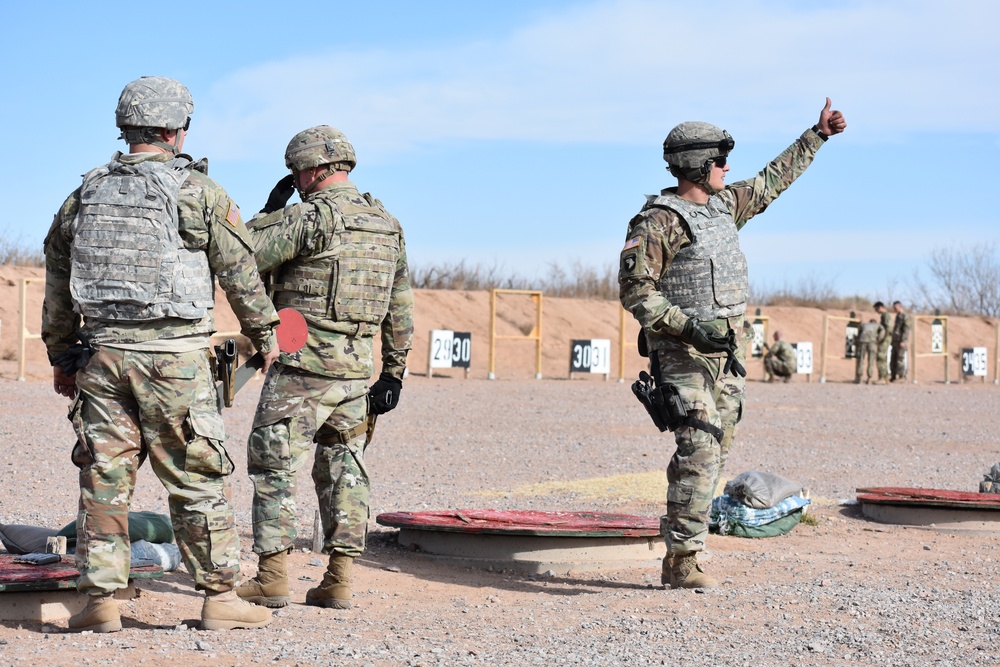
523	133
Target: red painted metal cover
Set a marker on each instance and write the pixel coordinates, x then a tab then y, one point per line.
54	576
892	495
517	522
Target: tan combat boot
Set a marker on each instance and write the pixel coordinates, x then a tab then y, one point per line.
684	572
100	615
227	611
270	587
335	591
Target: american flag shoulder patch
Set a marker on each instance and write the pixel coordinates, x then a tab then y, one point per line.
233	216
631	243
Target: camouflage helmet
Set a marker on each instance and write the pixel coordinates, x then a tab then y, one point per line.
691	146
318	146
154	101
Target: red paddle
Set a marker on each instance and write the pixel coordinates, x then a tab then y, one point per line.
292	333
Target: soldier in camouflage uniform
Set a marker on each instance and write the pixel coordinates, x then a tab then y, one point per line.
684	278
885	337
900	343
340	259
868	339
780	360
134	251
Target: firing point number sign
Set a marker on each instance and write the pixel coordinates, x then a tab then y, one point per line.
974	361
590	356
450	349
803	357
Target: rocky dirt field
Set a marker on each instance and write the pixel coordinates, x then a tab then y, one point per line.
842	590
846	591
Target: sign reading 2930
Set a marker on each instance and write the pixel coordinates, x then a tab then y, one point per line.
590	356
450	349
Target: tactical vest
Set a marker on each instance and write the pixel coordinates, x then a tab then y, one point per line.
869	333
128	262
708	278
346	288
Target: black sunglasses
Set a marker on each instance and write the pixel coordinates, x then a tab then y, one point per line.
720	161
187	124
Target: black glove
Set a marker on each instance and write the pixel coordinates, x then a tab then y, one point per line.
73	358
704	340
707	341
282	192
384	394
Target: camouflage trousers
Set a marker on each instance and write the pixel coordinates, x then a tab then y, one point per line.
866	351
774	366
882	360
296	409
897	363
137	406
699	460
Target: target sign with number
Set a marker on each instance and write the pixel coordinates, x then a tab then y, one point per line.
974	361
803	357
590	356
450	349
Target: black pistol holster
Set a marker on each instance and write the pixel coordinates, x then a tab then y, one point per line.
225	356
663	402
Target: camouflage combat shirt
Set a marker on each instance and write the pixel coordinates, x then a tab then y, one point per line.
208	220
656	235
306	230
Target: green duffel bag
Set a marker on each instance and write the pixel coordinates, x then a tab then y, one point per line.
150	526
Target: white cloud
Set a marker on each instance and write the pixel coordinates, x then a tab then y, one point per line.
621	71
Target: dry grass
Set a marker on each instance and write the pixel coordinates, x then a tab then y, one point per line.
15	252
576	281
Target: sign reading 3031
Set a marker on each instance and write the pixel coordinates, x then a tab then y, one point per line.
590	356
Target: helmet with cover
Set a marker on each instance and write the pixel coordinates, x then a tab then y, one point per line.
154	101
691	147
318	146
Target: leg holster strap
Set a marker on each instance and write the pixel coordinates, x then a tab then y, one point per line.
328	435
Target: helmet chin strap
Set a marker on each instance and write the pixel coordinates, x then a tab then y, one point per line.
311	187
699	176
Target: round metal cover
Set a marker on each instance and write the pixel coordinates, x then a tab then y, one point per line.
892	495
518	522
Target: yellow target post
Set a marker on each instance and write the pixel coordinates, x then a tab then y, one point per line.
23	335
535	334
823	346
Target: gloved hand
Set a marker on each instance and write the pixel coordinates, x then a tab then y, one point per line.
707	341
384	394
702	339
280	194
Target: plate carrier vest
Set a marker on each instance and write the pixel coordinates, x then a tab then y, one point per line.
346	288
128	262
708	278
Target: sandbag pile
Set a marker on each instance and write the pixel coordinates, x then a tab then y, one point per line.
758	504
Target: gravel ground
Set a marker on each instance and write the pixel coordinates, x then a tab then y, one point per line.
845	591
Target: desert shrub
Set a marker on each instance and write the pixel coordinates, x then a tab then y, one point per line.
18	253
963	281
811	292
577	281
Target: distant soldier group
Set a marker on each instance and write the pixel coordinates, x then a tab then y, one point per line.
876	336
